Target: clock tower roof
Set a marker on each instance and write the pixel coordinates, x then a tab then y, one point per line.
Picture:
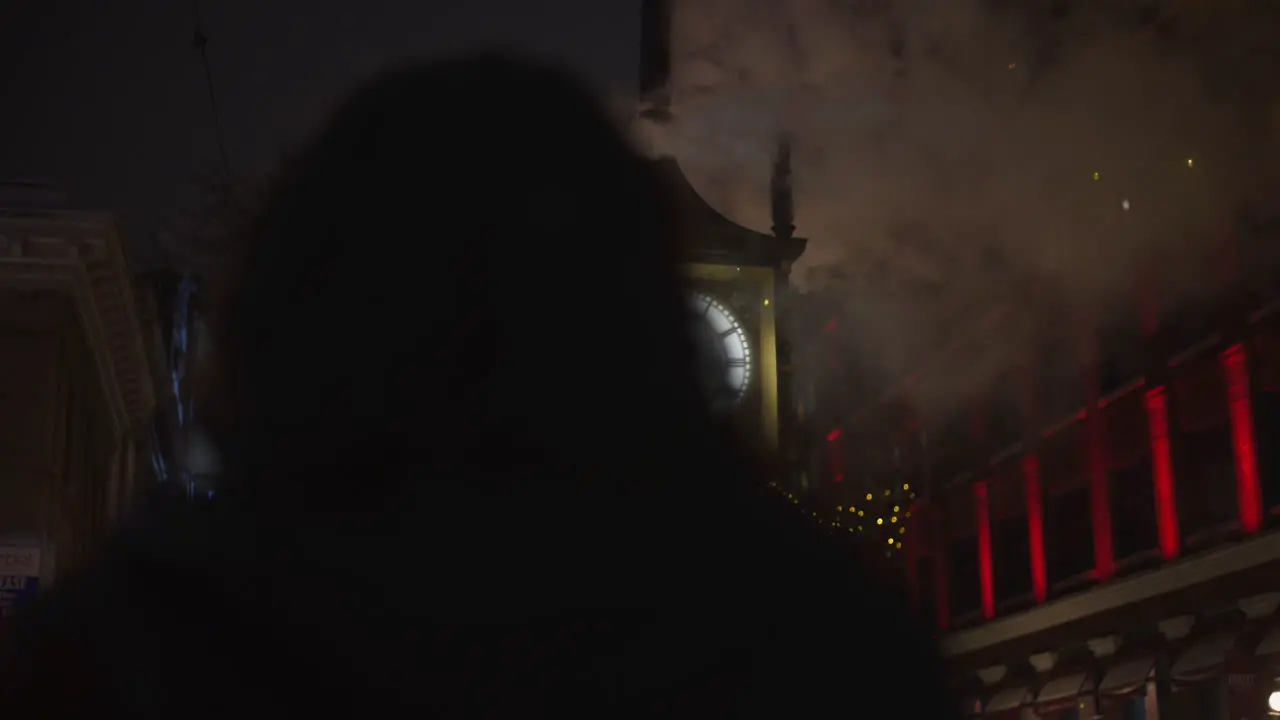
714	238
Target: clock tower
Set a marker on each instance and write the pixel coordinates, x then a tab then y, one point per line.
735	274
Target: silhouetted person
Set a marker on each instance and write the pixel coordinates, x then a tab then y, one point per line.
470	473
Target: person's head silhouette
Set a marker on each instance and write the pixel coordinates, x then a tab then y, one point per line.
470	470
470	270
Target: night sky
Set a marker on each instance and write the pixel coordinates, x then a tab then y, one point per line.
108	99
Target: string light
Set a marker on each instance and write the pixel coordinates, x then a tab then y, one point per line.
1097	176
893	541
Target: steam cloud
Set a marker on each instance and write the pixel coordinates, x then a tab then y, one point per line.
945	155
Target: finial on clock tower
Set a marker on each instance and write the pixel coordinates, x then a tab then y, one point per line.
782	201
655	59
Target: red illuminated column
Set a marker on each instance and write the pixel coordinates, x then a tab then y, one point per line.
1162	473
986	568
1235	364
1099	493
1035	527
837	457
1157	404
1031	479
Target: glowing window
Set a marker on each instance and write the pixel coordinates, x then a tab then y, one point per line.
724	355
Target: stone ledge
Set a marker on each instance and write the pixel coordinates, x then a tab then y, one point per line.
81	256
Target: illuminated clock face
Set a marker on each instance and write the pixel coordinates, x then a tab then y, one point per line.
724	356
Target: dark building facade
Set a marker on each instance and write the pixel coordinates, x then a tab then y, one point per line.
1092	530
1095	532
76	388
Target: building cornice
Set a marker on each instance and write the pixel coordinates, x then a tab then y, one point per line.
1203	568
81	255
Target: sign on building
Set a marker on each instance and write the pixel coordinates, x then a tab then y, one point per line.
19	577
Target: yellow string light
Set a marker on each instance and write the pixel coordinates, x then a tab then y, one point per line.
892	541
